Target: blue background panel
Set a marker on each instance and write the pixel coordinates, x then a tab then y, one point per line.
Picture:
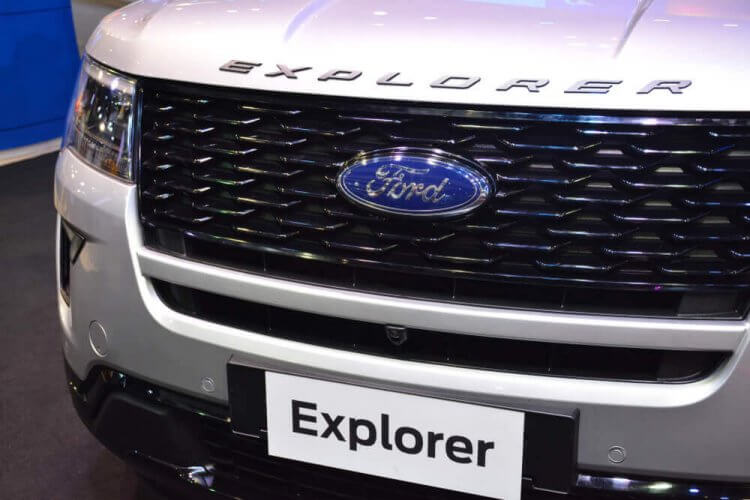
38	66
8	6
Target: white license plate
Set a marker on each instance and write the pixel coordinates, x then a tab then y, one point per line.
446	444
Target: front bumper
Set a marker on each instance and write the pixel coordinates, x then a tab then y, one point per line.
188	446
110	284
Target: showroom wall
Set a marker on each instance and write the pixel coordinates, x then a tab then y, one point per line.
38	65
40	46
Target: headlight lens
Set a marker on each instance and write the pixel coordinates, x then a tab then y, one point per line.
100	124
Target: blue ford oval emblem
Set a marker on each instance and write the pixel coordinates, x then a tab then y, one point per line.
414	182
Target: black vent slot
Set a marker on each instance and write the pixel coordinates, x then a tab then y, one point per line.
71	245
64	265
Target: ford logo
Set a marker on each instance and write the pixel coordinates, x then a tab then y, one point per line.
414	182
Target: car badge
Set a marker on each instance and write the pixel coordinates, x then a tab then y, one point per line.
413	182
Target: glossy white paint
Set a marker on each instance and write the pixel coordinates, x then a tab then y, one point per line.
564	41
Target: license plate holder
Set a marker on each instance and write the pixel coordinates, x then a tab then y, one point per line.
550	435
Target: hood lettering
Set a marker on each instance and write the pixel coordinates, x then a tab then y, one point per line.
462	82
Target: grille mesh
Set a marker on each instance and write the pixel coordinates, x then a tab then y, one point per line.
616	206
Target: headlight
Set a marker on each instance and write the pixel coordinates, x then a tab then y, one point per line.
100	124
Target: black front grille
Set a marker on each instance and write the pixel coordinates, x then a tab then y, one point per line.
471	351
590	211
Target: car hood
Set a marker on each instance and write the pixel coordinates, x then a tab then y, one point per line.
562	41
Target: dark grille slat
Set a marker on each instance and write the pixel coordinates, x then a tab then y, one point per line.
190	128
156	108
157	136
270	200
261	110
530	177
157	165
236	121
323	131
583	264
424	237
720	200
265	229
223	180
633	199
657	215
315	190
361	244
551	146
725	234
685	150
463	252
263	169
182	187
183	157
432	140
724	165
590	230
271	140
740	253
704	269
599	164
315	223
677	182
651	250
221	150
180	98
183	216
222	209
156	195
596	196
626	133
346	213
521	244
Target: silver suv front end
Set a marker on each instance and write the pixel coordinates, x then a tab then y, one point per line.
113	316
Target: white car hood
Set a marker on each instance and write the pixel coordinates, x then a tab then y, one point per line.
563	41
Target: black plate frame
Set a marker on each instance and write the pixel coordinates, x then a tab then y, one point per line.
550	436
